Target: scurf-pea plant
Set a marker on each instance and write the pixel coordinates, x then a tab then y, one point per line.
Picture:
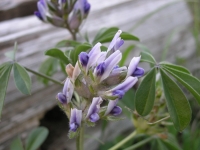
97	80
97	77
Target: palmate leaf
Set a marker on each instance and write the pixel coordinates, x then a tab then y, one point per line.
36	138
190	82
5	70
22	79
177	104
176	67
145	94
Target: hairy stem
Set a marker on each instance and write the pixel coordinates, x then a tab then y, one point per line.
43	76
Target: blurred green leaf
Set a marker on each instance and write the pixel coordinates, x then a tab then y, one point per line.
72	134
48	67
16	144
67	43
22	79
177	104
147	57
36	138
56	53
126	54
127	36
173	66
113	118
145	94
160	145
11	54
190	82
5	70
169	145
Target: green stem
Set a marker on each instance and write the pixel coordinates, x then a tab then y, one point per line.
79	139
43	76
140	143
124	141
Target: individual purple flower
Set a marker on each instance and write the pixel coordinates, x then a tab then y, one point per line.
133	65
83	57
75	119
116	42
42	7
66	95
94	109
112	108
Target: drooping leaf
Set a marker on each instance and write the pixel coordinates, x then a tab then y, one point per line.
36	138
147	57
48	67
127	36
67	43
173	66
16	144
56	53
145	94
190	82
5	70
22	79
126	54
177	104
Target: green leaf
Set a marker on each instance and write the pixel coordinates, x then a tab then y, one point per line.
48	67
145	94
56	53
126	54
67	43
173	66
22	79
36	138
113	118
5	70
81	48
11	54
190	82
16	144
161	145
103	33
126	36
170	145
147	57
177	104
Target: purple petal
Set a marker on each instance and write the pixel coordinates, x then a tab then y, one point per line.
73	127
95	106
114	40
83	57
78	116
110	63
62	98
68	89
76	72
119	43
138	72
73	116
116	111
94	117
42	9
111	105
37	13
119	93
100	69
133	65
94	54
86	7
127	84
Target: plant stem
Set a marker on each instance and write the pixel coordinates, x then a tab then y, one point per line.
123	141
140	143
43	76
79	139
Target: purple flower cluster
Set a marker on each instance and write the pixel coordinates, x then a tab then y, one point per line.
63	13
97	77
